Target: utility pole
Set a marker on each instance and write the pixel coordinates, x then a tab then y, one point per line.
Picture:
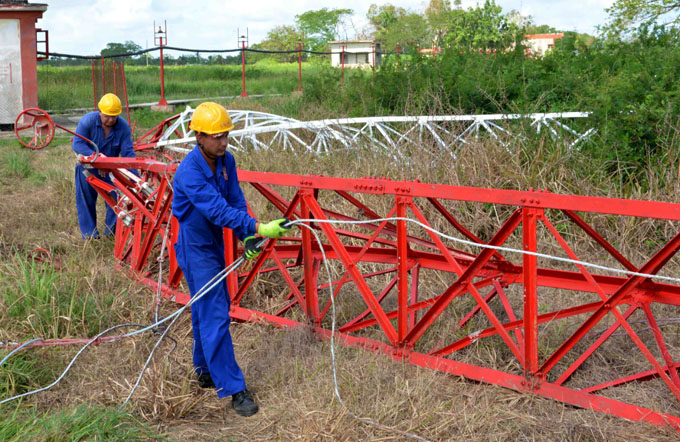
160	38
243	44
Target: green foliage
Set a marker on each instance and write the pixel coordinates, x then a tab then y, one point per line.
437	14
383	18
627	15
630	86
483	28
320	26
17	163
26	371
409	31
70	87
121	48
35	298
281	38
84	422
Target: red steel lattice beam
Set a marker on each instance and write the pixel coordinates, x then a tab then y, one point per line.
385	268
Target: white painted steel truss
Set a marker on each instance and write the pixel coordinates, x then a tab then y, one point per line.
261	131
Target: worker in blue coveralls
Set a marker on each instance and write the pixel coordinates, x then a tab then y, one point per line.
111	134
207	197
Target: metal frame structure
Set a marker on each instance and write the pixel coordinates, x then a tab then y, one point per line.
261	131
548	320
519	287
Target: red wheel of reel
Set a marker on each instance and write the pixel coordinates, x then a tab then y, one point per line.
34	128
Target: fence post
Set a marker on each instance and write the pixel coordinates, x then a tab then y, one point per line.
127	103
94	88
243	42
299	65
115	83
103	78
373	61
342	69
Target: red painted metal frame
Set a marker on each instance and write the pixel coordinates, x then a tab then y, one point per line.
382	266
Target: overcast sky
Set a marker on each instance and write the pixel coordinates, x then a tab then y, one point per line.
84	27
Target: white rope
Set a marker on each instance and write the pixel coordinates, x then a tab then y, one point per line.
332	345
500	248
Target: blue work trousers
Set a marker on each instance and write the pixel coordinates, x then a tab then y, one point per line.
213	349
86	205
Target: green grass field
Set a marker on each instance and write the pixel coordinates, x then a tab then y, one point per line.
67	87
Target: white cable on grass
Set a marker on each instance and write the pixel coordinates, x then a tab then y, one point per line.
176	314
332	345
16	350
69	365
146	364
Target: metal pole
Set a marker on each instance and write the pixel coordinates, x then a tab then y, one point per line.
103	78
311	295
243	70
115	83
94	88
342	69
162	41
529	217
373	61
299	66
402	262
127	103
162	101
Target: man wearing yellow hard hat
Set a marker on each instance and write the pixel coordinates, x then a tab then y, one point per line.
207	198
111	134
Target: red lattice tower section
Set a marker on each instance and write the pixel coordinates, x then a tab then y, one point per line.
408	293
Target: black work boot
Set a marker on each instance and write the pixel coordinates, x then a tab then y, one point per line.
244	404
205	380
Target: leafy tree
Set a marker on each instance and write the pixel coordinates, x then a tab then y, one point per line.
627	15
438	14
321	26
482	28
521	21
383	17
121	48
409	32
280	38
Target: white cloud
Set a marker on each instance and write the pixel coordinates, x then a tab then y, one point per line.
85	27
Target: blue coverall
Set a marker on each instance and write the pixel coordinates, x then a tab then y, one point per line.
117	144
203	203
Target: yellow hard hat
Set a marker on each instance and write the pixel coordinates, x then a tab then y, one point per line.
211	118
110	105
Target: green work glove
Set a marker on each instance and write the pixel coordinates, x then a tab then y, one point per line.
251	249
273	229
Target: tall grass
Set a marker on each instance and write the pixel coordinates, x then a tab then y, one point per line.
84	422
43	302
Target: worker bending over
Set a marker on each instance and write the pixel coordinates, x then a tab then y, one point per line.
207	197
111	134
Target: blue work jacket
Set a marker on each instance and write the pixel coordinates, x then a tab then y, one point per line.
117	144
204	202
